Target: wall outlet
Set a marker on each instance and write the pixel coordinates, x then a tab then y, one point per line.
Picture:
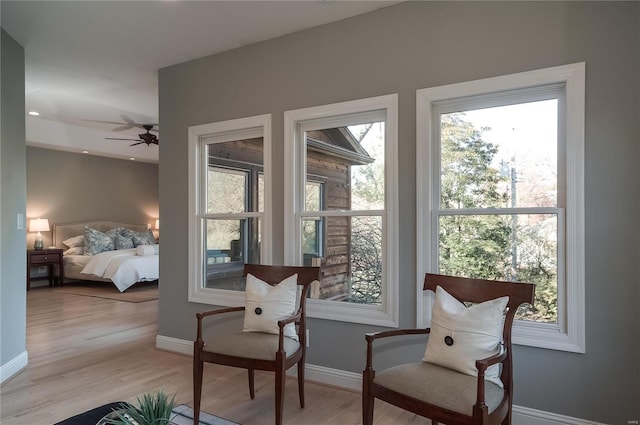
307	337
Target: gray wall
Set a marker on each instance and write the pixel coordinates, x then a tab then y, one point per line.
423	44
13	302
88	187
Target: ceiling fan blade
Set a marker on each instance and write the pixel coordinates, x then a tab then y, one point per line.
104	122
115	138
133	144
123	128
127	120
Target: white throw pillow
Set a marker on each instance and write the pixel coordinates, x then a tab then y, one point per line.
143	250
266	304
461	335
74	241
76	250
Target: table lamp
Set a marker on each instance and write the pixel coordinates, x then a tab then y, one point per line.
39	225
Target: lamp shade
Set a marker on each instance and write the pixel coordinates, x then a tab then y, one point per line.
39	225
157	224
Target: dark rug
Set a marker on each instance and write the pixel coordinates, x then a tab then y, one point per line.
182	415
91	417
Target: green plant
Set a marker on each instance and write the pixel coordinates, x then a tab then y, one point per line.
151	409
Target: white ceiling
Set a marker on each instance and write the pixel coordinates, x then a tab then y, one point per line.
90	61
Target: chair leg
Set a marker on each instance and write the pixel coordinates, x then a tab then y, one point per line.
367	400
252	388
280	377
301	382
197	387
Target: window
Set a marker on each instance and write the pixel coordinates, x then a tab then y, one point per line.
313	227
229	203
503	196
341	207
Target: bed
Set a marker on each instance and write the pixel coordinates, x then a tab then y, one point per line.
136	260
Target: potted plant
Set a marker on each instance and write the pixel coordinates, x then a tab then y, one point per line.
150	409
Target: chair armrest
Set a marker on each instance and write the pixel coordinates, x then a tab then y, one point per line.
283	322
200	316
370	337
483	364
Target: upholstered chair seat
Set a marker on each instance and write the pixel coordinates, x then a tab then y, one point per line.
452	390
251	345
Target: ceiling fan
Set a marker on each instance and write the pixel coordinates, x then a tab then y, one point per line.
147	137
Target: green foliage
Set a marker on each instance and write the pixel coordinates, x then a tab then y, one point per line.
487	246
475	246
472	245
151	409
481	245
467	178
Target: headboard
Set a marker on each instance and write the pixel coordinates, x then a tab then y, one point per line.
62	232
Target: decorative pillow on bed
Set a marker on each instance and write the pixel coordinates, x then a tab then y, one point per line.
123	242
95	241
461	335
74	241
139	238
266	304
143	250
75	250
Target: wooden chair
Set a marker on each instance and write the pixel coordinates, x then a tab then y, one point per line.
256	350
445	395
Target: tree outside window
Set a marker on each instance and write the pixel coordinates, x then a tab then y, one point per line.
497	187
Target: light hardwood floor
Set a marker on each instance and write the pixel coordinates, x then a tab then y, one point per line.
84	352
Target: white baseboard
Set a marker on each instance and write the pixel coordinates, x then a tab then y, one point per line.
527	416
174	344
328	376
353	381
13	366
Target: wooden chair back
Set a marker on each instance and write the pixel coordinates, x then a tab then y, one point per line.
480	290
276	274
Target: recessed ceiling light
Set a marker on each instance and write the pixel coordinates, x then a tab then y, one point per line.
34	113
85	151
132	158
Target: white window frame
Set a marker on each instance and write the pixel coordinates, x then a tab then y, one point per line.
327	116
569	333
199	136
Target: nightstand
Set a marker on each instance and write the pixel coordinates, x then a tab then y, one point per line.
45	257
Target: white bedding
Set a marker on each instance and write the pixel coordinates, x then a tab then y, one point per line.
76	260
123	267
